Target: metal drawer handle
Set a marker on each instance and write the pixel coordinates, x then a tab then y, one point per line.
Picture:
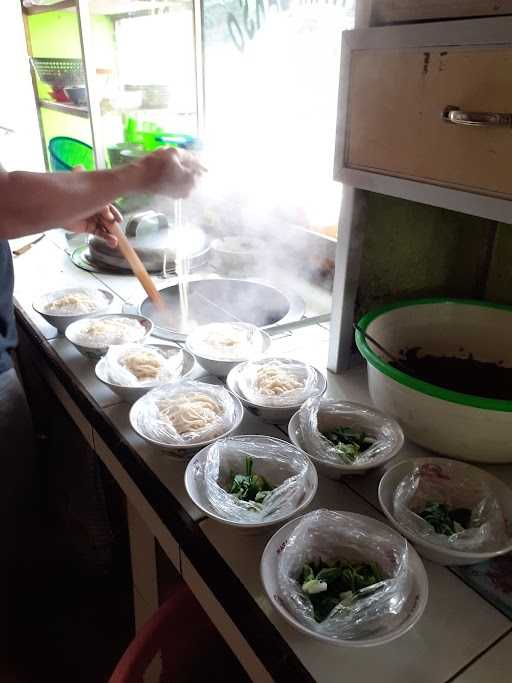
453	114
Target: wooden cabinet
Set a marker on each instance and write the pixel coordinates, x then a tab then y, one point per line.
396	123
395	11
397	82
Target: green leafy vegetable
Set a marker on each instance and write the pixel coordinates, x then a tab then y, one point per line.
249	487
348	442
337	585
445	520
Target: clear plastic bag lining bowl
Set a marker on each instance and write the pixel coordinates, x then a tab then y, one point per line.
263	382
318	415
200	419
330	536
456	485
117	372
282	465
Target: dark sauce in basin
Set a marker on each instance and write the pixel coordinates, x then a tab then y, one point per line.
463	374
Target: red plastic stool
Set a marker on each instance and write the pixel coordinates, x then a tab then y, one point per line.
180	630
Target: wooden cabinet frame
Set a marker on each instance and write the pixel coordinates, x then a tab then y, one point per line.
470	32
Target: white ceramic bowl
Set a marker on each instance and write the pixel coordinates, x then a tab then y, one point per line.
196	488
62	320
219	367
237	255
432	551
349	417
271	414
98	351
455	424
132	393
411	612
186	450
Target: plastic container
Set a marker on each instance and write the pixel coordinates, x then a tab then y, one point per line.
77	94
182	141
465	426
59	72
66	153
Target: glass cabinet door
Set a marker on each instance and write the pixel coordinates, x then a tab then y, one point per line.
144	55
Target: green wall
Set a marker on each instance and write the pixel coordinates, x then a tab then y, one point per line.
499	284
56	35
413	250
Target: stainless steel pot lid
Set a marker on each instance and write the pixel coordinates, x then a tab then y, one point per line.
154	241
222	300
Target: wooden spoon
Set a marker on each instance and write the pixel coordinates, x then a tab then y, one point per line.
138	268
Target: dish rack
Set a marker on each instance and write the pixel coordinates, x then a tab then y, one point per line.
59	72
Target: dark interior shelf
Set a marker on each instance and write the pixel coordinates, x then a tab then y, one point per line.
66	108
40	9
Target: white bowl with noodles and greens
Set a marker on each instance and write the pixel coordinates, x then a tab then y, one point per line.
64	306
357	438
474	426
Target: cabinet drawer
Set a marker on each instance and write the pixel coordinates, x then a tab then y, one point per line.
395	116
395	84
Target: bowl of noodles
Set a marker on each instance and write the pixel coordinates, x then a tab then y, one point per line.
218	347
131	370
182	418
275	388
64	306
92	336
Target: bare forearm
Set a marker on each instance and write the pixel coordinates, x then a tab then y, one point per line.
32	202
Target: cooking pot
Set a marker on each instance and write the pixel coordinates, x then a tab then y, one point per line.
154	241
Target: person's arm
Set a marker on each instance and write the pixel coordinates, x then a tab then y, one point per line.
32	202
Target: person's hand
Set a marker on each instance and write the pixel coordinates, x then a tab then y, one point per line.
99	223
171	172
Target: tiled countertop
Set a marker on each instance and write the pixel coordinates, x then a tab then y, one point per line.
461	637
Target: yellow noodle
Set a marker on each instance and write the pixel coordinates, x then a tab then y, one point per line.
275	381
190	412
77	302
143	364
